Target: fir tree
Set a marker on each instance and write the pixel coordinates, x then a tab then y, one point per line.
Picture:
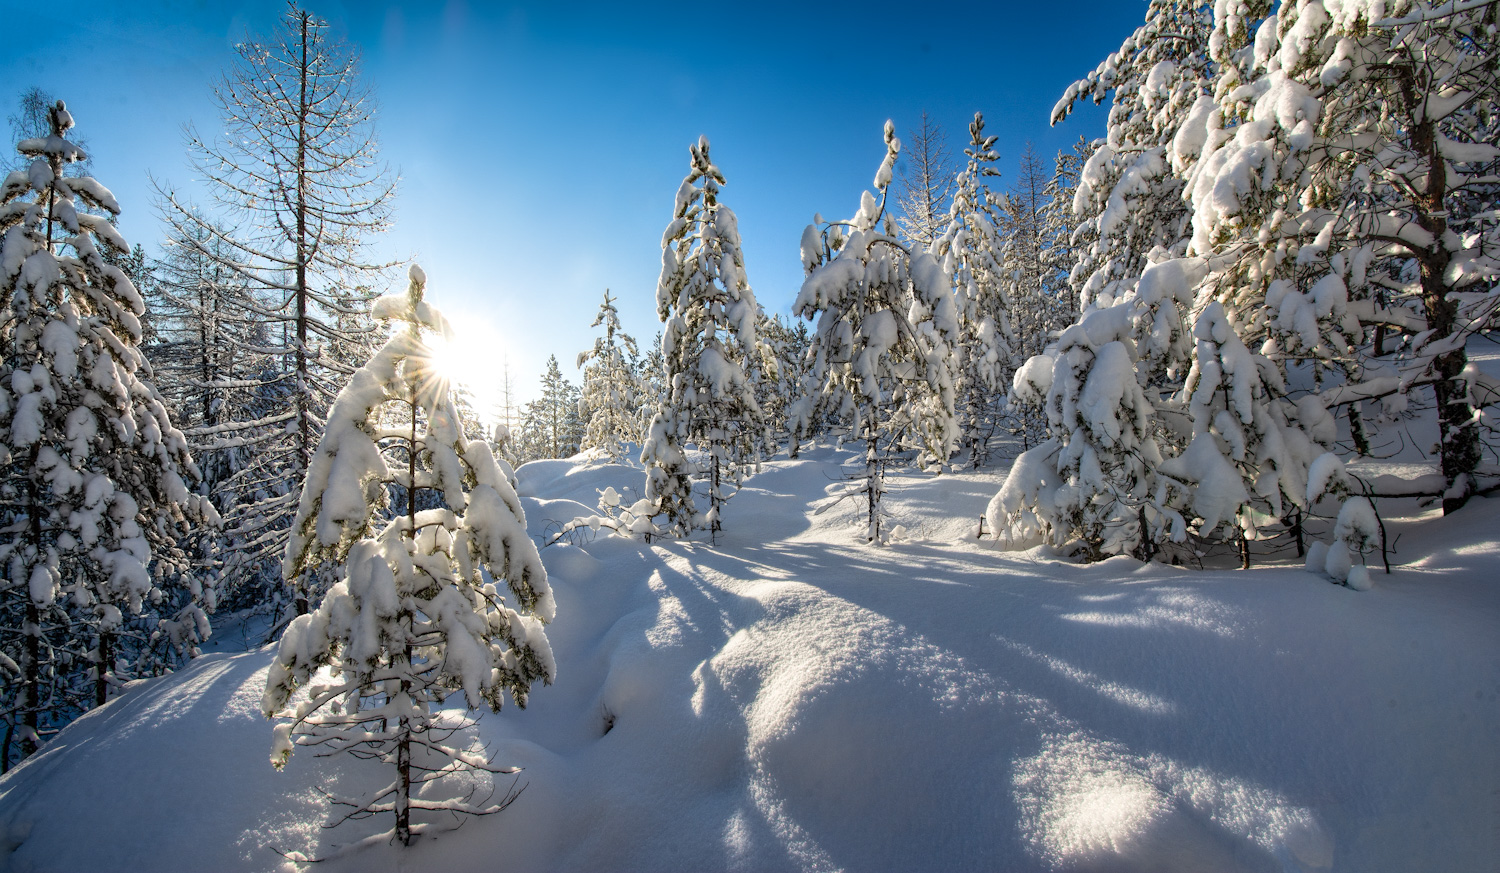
885	335
414	619
611	395
91	470
709	315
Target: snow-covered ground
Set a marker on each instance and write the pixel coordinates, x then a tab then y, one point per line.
791	699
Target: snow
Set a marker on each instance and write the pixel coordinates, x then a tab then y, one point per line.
795	700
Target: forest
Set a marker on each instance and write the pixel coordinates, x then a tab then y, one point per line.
1222	374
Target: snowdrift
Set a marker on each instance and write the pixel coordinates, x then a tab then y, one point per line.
793	700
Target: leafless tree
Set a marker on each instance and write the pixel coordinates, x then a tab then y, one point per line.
926	175
296	175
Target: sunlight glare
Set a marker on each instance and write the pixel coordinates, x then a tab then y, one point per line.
472	359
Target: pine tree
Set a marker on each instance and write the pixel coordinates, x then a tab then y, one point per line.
1130	191
972	253
92	472
886	330
1095	479
1371	129
296	175
709	315
413	620
611	396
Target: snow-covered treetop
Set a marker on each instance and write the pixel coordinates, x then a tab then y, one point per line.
701	249
1146	71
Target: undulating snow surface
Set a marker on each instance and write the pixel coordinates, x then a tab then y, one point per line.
794	700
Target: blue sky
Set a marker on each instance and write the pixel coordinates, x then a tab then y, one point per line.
540	145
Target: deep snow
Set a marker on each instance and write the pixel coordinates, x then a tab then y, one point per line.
791	699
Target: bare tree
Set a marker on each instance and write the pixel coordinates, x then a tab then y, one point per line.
926	176
296	174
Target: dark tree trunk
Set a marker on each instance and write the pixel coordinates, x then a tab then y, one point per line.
101	680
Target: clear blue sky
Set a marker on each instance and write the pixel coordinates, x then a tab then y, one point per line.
540	145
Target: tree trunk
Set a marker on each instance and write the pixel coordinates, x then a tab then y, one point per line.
303	380
1459	437
403	756
101	681
403	667
31	677
872	477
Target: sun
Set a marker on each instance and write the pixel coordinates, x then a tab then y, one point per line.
467	359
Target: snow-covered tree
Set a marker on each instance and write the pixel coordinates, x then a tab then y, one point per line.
926	179
551	426
31	120
297	180
1034	271
1248	461
887	327
782	370
1040	311
708	346
611	398
1369	127
1129	194
1094	480
971	250
91	468
431	602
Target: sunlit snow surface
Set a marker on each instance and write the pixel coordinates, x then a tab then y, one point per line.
794	700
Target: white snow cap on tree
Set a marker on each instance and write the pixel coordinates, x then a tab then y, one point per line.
432	601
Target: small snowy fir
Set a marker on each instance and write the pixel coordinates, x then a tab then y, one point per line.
708	348
432	601
885	343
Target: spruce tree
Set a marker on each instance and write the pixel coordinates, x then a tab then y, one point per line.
611	395
93	474
431	601
708	345
885	336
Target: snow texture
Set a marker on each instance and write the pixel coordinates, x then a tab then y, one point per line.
793	700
